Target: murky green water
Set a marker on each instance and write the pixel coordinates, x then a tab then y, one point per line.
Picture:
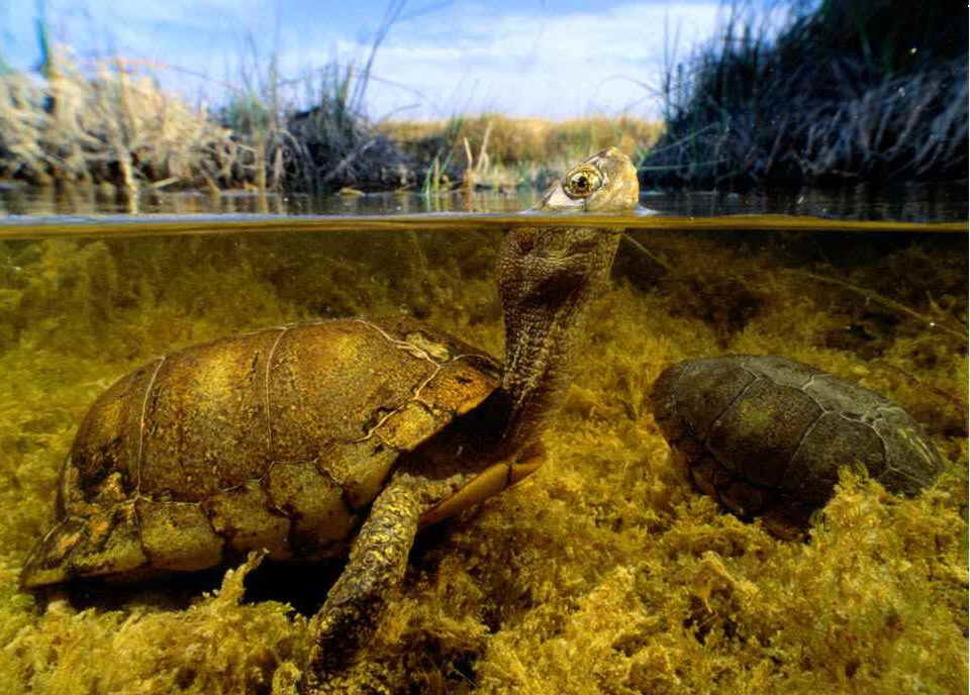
607	526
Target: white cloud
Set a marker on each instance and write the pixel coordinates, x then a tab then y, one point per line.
467	59
538	64
464	58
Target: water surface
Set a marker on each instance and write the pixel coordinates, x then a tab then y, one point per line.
903	202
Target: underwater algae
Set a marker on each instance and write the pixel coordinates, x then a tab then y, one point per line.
603	572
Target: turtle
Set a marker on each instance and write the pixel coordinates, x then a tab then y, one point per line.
335	437
766	436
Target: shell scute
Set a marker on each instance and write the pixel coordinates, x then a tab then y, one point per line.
359	468
175	536
328	382
315	505
103	445
832	442
246	518
204	421
703	393
767	418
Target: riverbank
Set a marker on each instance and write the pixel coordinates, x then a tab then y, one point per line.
852	92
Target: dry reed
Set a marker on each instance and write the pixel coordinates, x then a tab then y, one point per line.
116	126
515	151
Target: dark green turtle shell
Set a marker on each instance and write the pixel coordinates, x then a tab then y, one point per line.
766	434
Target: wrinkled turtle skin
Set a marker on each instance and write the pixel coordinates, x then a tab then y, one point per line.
767	436
275	439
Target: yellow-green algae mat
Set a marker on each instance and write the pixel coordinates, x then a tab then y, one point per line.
603	573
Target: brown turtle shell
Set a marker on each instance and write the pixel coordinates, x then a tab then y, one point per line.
276	439
766	434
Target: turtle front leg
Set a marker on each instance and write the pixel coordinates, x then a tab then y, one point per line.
354	605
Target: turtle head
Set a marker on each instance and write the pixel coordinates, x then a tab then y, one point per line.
549	274
605	182
551	267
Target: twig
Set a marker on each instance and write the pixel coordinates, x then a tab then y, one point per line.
649	254
879	299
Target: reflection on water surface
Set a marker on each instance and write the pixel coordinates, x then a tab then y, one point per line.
910	202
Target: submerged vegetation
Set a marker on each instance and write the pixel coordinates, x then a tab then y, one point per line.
853	91
603	572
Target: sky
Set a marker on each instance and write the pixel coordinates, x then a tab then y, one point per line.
553	59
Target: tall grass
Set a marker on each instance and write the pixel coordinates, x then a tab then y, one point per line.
857	90
334	144
254	114
115	125
499	151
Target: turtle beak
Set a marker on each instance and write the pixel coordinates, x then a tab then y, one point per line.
556	199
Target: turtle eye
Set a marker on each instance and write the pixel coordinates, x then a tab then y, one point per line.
582	182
